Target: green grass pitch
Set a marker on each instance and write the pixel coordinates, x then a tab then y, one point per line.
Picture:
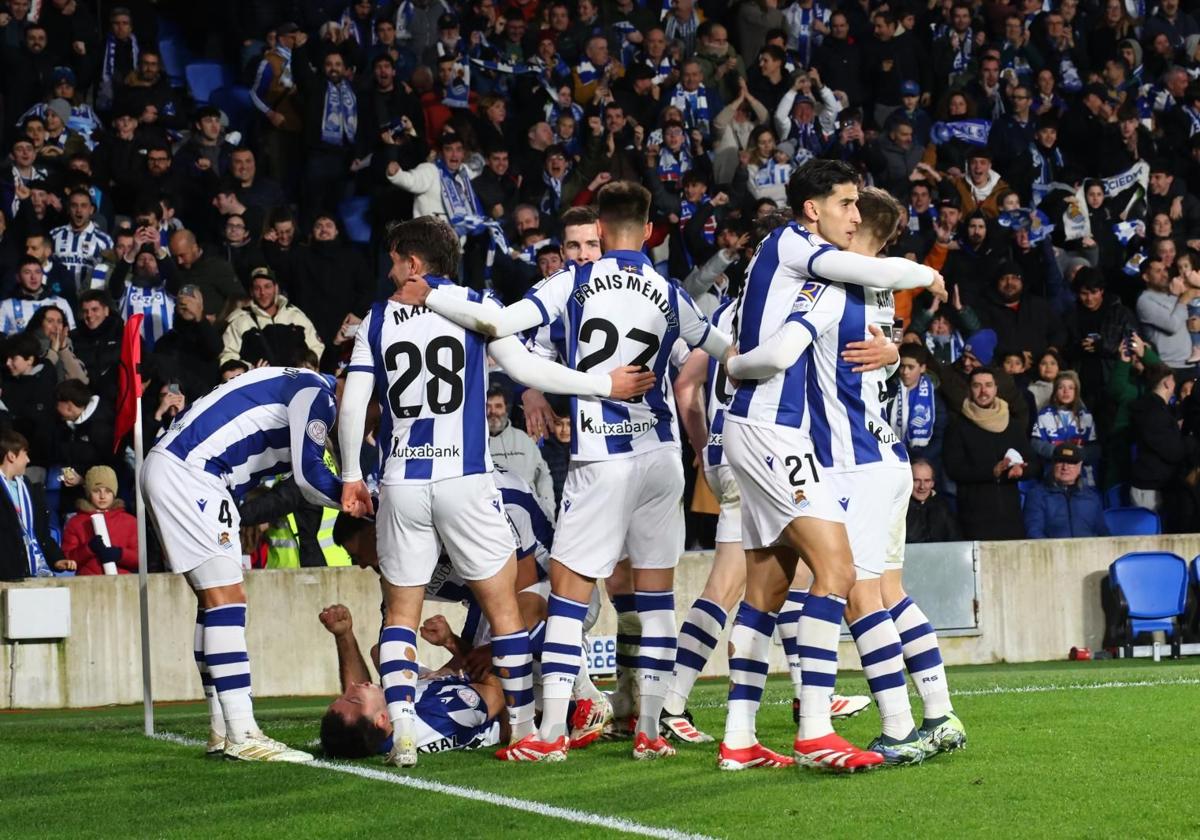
1099	749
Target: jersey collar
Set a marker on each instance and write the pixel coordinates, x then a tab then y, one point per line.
434	281
628	256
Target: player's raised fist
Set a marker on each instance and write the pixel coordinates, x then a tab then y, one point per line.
336	619
436	631
630	381
356	499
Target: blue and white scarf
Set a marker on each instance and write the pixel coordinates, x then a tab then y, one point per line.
589	73
672	166
807	137
349	24
662	68
1046	167
914	218
1193	120
694	104
914	412
962	56
954	341
1126	232
554	111
465	213
404	17
802	39
339	120
974	132
772	173
1069	74
104	92
687	210
38	567
551	202
684	32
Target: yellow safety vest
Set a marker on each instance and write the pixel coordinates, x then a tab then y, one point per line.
283	540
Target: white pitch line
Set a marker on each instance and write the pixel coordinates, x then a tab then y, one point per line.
1016	689
500	800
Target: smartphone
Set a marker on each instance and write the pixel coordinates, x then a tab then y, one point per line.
173	388
350	330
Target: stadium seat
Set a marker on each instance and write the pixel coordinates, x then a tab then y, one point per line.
1116	496
1132	522
234	102
174	59
204	77
1153	586
355	219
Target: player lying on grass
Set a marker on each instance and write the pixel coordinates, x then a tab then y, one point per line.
454	711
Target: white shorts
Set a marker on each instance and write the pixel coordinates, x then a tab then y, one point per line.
629	504
876	516
465	515
196	517
779	480
725	487
218	571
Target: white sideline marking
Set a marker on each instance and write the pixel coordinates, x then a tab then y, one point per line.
1016	689
526	805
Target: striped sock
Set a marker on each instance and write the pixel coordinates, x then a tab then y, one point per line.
513	664
629	633
923	658
656	656
789	624
216	718
697	640
228	665
749	647
883	666
817	640
537	637
561	654
584	688
398	673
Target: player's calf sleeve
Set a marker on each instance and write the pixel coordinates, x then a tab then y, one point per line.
513	664
228	666
656	655
216	717
879	649
697	639
923	658
749	648
789	624
398	673
561	655
629	633
817	637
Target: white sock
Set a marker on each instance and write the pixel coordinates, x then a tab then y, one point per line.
698	637
561	655
749	647
229	666
883	666
789	626
584	688
398	672
656	656
216	717
817	636
923	658
629	633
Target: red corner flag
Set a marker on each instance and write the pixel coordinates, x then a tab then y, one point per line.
129	381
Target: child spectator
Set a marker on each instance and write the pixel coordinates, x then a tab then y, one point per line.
83	545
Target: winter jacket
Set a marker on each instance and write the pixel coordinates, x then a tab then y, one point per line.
85	442
253	334
1113	322
1057	511
1164	324
890	164
214	278
122	535
14	561
989	508
425	183
1030	324
187	354
1163	453
99	351
931	521
30	399
331	281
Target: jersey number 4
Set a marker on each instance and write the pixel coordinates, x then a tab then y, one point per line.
610	340
405	357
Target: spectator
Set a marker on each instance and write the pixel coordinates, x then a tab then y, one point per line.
28	385
330	119
930	518
26	547
1022	321
31	295
83	437
253	190
945	327
186	354
1095	328
97	343
90	550
213	276
1066	420
894	158
1164	454
331	280
1162	311
139	281
513	450
269	329
274	95
49	326
240	249
1063	505
979	456
981	188
918	413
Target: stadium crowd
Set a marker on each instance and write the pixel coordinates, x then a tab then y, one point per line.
1047	154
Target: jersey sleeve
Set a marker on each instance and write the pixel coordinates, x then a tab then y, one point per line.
361	358
888	273
310	415
696	331
818	306
551	295
484	316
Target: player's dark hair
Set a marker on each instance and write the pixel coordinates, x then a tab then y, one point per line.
233	364
880	213
73	391
429	238
12	443
346	527
360	739
585	215
817	179
623	204
24	345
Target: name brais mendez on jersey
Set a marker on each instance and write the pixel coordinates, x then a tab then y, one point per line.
631	281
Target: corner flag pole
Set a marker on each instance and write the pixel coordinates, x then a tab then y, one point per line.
143	577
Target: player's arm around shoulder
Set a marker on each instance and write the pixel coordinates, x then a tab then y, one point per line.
484	315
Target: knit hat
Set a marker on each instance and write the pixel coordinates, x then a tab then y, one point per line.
982	345
61	107
100	476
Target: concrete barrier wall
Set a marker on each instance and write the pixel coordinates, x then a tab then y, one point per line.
1037	599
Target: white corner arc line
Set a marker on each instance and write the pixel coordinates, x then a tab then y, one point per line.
529	806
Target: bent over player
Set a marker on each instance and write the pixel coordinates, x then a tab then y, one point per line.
261	424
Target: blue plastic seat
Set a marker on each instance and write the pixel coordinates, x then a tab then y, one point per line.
174	60
204	77
1153	585
234	102
1116	496
355	218
1132	522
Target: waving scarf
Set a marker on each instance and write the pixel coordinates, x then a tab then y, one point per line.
339	121
104	93
914	412
694	104
349	24
465	213
38	567
672	166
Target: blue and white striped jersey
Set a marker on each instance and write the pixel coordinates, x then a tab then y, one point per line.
531	528
451	716
157	307
717	392
431	384
264	423
16	312
619	311
80	250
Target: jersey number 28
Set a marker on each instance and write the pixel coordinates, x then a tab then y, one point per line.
405	357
